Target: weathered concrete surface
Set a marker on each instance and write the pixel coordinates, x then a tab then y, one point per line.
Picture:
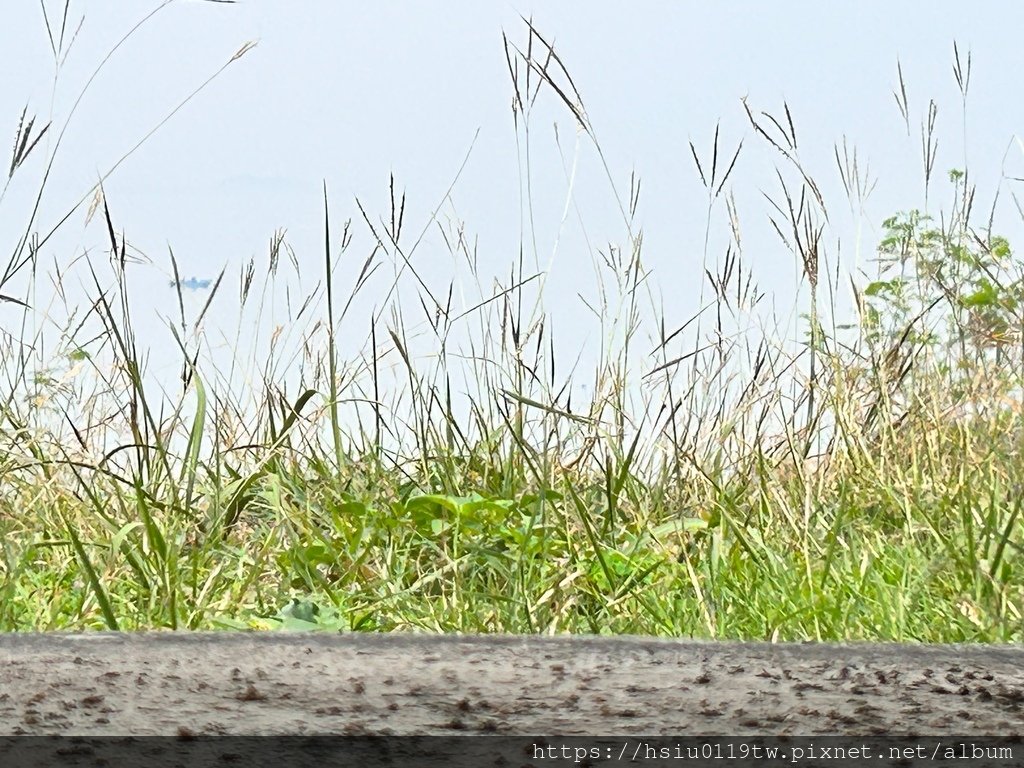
184	684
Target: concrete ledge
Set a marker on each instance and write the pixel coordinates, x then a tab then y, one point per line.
255	684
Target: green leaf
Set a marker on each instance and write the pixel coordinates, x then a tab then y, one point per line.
685	524
880	287
985	296
300	610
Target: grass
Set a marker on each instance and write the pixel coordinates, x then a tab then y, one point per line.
861	482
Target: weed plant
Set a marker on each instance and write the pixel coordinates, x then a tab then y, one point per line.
864	483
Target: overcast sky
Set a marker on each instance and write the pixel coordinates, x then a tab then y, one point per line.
348	93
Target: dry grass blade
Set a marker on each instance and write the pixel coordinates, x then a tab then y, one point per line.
901	97
24	143
245	281
209	299
494	297
544	407
780	129
789	153
855	184
396	225
513	73
764	134
714	154
676	361
846	172
56	46
929	145
573	103
634	194
246	47
728	170
700	170
666	339
789	121
401	349
713	185
963	77
12	300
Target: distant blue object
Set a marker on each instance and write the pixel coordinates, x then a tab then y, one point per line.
192	284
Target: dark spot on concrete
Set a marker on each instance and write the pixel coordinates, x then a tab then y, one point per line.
329	711
709	711
250	694
808	687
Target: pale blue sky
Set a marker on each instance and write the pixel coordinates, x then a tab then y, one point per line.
349	92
